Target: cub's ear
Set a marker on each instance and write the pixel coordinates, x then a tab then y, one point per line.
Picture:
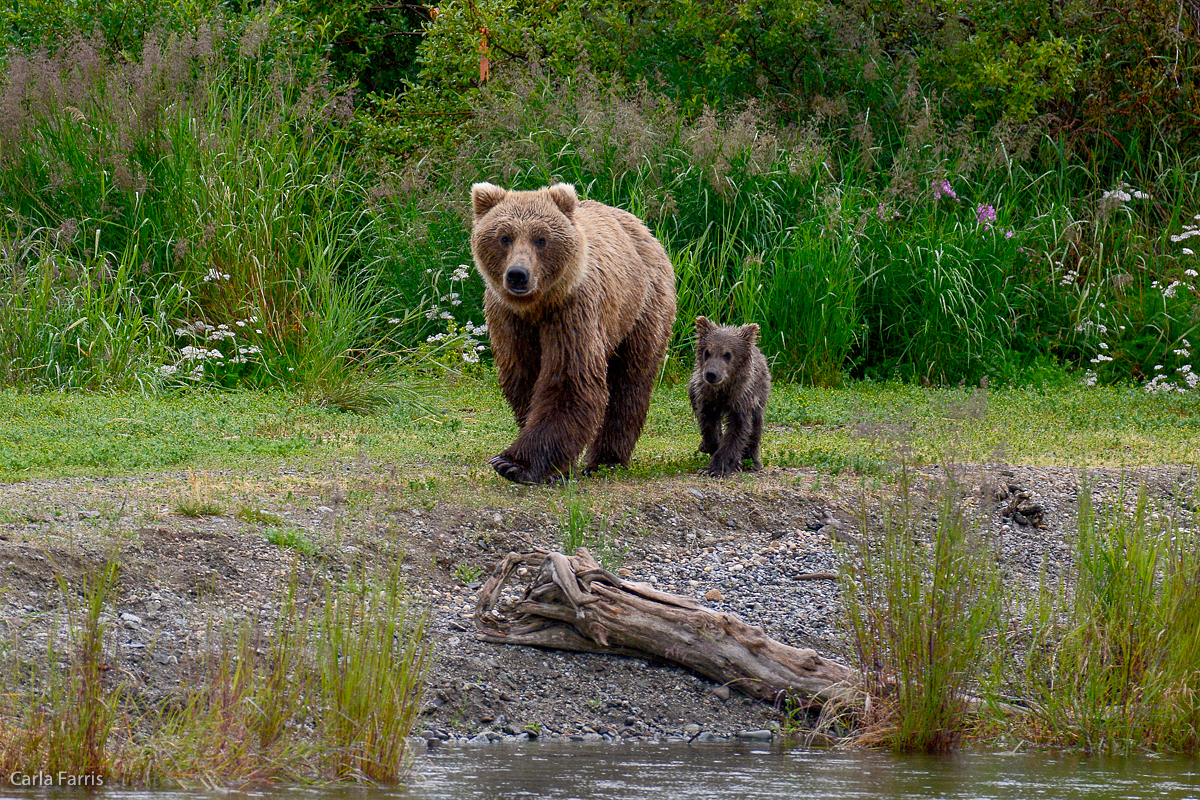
703	327
563	195
485	196
749	332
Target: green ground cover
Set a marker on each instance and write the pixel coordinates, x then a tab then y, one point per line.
862	427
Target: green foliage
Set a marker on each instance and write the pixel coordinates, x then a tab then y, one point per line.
921	604
1114	662
84	323
291	538
998	76
583	527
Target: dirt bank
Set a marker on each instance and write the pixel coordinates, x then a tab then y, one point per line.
737	543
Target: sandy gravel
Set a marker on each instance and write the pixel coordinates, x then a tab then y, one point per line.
737	544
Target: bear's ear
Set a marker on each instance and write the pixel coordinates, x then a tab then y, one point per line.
485	196
703	327
749	332
563	195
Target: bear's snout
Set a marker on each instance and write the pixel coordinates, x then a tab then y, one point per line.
712	377
516	279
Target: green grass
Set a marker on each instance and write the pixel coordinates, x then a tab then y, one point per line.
858	426
923	603
330	692
292	539
1113	660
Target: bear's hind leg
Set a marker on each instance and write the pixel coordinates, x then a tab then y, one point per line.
631	378
753	446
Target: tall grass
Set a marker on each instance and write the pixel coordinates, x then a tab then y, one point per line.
840	245
329	690
67	322
218	175
923	597
227	176
1114	662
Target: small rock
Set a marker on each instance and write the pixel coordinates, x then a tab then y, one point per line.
696	493
705	737
165	658
325	509
722	692
759	734
130	619
714	596
692	729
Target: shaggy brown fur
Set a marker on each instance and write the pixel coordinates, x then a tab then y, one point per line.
731	380
580	301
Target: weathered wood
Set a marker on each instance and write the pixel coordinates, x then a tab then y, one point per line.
573	603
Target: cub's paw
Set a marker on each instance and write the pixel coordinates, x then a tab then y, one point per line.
512	471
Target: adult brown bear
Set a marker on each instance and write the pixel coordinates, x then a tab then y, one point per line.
580	301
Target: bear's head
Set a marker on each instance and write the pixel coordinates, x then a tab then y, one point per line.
526	245
722	351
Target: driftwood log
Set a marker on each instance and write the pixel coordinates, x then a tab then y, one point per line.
572	603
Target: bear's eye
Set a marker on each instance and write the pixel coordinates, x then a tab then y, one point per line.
705	356
541	242
505	241
727	356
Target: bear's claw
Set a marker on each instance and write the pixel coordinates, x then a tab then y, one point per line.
510	471
718	471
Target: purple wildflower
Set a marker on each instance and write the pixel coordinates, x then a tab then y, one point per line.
985	215
942	189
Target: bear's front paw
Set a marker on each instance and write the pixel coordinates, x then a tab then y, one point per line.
718	469
512	471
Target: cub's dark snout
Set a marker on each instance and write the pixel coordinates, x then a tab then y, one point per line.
712	377
516	279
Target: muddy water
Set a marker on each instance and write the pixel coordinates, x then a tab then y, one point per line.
744	771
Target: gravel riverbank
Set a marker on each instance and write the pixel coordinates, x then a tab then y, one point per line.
738	545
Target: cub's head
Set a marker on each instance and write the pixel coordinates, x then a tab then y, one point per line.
526	244
722	351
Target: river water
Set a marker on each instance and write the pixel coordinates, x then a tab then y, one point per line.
743	771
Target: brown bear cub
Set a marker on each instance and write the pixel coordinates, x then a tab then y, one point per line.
731	381
579	300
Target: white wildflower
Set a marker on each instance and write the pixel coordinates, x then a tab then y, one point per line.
168	369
